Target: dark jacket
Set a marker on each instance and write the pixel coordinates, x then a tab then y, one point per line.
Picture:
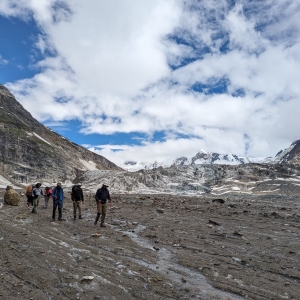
102	195
77	193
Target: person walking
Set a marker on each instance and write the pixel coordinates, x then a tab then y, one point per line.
47	195
28	193
78	200
37	193
58	198
102	195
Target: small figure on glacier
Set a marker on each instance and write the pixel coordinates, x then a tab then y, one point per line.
102	195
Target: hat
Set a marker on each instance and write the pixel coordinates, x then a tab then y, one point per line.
104	184
79	183
59	184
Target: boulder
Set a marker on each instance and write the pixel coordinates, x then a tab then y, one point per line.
11	197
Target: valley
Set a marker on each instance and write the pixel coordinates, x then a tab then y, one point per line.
155	247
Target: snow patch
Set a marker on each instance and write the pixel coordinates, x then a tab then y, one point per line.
41	138
90	165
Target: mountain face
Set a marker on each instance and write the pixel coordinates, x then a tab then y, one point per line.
201	158
31	152
290	155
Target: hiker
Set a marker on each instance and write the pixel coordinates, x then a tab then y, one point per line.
58	198
78	200
47	195
37	193
102	195
28	193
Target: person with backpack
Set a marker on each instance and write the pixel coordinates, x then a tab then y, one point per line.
28	193
102	195
78	200
47	195
58	198
37	193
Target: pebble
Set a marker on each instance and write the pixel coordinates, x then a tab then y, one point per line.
87	278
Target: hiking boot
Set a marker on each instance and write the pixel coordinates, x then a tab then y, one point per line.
102	225
75	218
95	222
80	217
53	220
59	219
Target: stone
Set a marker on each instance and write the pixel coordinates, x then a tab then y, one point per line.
213	222
221	201
11	197
87	278
96	234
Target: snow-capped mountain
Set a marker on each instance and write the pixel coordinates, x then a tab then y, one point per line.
201	158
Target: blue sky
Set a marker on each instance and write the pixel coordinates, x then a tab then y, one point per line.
156	80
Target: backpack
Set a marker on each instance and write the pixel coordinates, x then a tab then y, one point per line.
48	191
76	192
34	193
29	190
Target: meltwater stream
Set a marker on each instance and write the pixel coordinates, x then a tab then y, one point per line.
196	283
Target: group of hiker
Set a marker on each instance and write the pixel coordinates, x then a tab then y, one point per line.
34	194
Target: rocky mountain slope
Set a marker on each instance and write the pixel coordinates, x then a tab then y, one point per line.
199	179
290	155
31	152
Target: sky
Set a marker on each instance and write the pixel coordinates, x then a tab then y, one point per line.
156	80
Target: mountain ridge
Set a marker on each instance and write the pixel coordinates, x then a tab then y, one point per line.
30	151
201	157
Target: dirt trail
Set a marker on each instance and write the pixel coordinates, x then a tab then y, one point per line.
154	247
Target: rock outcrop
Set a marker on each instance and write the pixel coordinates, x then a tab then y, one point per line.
11	197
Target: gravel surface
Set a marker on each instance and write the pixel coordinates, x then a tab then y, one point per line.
154	247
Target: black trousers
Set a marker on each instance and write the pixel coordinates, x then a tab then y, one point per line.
57	204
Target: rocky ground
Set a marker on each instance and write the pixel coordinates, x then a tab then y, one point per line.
154	247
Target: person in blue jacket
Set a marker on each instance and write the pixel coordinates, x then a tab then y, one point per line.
58	198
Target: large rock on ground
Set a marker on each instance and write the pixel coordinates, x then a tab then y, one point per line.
11	197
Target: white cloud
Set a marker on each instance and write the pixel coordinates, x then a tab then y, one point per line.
3	61
110	70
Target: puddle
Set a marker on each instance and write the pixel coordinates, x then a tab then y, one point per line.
194	281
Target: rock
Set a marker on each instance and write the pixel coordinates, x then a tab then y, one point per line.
237	233
21	216
87	278
156	248
96	234
213	223
160	210
218	201
11	197
134	223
